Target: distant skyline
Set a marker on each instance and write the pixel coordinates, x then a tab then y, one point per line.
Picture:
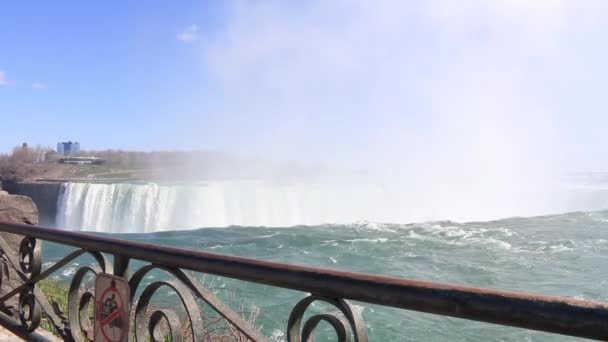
486	84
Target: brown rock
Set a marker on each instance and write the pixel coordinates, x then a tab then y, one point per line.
17	209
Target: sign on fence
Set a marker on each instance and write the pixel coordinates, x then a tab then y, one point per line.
111	309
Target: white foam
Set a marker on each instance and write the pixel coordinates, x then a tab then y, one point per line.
381	240
277	335
68	272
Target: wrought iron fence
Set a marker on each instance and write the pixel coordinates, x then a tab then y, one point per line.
566	316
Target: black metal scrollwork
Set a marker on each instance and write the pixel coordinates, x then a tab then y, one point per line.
30	313
169	316
30	256
30	263
187	289
348	323
78	305
149	326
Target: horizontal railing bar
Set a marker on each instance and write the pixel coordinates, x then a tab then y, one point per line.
15	327
566	316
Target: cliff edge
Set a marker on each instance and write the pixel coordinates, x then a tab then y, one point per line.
18	209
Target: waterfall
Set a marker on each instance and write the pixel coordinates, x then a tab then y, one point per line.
140	208
151	207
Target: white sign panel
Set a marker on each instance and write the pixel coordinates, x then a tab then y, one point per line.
111	309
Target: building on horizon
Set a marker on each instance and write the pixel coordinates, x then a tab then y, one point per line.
68	147
81	160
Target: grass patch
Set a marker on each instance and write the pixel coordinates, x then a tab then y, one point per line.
54	292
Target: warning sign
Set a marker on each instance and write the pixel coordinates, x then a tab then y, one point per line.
111	308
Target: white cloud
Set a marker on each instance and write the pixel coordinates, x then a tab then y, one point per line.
189	34
38	85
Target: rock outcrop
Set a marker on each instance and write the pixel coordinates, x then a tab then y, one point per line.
44	195
17	209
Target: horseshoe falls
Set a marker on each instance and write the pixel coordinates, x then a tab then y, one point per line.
154	207
141	208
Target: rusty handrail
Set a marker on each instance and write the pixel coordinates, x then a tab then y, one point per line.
581	318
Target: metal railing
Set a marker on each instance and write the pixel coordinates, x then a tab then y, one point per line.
581	318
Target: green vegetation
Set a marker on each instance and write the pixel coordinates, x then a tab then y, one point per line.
54	292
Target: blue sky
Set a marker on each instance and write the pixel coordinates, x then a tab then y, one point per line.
486	84
114	74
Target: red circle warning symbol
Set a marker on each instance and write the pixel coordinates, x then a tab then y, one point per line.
112	309
109	314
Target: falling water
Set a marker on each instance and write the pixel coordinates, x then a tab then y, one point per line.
138	208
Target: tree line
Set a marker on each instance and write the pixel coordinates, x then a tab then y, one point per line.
31	162
24	162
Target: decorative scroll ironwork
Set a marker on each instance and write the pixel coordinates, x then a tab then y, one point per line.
150	323
30	257
79	304
152	330
30	313
21	271
348	323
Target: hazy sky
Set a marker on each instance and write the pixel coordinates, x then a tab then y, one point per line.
490	83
